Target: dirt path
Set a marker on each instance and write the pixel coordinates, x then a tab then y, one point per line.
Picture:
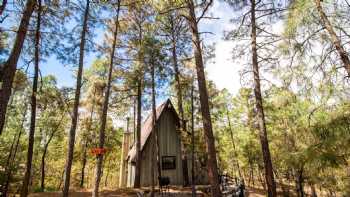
137	193
252	192
117	193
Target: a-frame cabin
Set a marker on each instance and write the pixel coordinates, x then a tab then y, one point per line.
167	126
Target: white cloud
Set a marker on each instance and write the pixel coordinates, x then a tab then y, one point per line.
222	70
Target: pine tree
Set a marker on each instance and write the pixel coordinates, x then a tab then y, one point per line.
203	93
27	175
105	104
72	131
334	38
174	27
270	181
8	69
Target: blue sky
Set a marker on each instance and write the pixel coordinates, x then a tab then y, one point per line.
221	70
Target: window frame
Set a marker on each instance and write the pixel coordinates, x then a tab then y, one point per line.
172	163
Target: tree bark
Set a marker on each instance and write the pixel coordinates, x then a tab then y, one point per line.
12	156
87	140
72	131
9	67
233	146
177	77
8	166
333	36
154	123
103	120
134	122
270	181
137	181
213	174
300	183
43	157
27	175
192	142
9	173
83	164
153	135
179	100
8	161
107	174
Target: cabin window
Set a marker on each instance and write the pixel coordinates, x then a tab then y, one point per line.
168	162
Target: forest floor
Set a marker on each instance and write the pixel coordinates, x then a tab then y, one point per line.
250	192
254	192
105	193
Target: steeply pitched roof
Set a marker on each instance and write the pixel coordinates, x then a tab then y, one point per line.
147	128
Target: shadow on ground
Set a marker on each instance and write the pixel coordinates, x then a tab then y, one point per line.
172	192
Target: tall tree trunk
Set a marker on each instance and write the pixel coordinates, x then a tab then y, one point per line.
84	160
154	124
43	157
134	122
300	183
333	36
72	131
103	120
137	181
139	78
12	156
123	160
9	173
192	142
87	140
233	146
8	166
11	98
177	80
213	174
3	6
153	134
9	67
27	175
179	101
107	174
8	161
270	181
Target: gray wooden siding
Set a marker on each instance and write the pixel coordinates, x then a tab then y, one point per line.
169	141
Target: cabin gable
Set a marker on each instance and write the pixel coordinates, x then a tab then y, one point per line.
167	124
169	148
